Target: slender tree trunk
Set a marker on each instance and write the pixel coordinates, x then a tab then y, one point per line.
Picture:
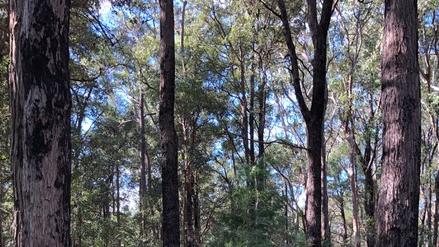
398	201
188	213
252	121
1	214
244	109
369	206
168	135
352	172
119	242
197	216
326	229
287	234
262	98
41	106
343	218
436	211
144	162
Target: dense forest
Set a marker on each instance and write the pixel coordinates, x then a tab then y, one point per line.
227	123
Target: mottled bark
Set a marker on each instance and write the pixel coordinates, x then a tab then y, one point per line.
168	135
397	208
41	105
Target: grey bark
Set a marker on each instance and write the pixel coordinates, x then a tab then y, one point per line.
41	106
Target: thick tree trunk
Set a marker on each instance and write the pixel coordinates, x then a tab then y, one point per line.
397	208
168	135
41	105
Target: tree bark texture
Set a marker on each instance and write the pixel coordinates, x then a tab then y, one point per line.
397	208
168	135
41	106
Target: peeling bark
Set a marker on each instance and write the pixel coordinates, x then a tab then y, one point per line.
41	106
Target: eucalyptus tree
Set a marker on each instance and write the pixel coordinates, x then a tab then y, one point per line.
41	105
398	201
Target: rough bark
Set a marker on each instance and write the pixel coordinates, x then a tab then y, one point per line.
398	201
41	105
168	136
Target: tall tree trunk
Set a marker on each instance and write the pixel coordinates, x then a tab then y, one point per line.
197	216
343	218
353	183
398	201
244	108
168	135
252	121
188	209
144	162
41	106
119	242
314	117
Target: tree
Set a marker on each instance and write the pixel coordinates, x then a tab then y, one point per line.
168	135
41	104
313	116
397	208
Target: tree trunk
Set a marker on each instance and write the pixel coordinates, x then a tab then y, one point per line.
168	135
314	117
398	201
436	211
119	241
326	229
41	106
352	172
144	161
343	218
1	215
188	213
244	109
369	206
